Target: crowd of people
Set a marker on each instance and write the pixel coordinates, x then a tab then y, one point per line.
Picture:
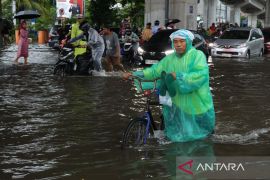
110	41
104	43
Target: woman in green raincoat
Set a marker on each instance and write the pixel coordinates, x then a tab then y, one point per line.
184	82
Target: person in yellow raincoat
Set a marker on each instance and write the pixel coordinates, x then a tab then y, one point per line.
184	82
75	31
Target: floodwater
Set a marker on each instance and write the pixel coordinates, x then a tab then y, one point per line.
71	128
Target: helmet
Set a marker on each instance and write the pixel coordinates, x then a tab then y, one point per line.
128	31
84	26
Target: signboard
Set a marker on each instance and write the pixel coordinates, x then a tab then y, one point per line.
77	6
69	8
63	9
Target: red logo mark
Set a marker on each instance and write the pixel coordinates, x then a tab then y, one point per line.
181	167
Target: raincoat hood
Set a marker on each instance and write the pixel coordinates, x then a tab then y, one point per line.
183	34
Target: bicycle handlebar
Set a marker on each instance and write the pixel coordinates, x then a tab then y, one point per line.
141	80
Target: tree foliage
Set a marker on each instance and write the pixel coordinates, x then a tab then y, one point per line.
101	12
1	24
0	8
133	9
105	12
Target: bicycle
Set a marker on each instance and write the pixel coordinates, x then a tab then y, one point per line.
141	128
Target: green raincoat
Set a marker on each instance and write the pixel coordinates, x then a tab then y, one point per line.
75	31
191	115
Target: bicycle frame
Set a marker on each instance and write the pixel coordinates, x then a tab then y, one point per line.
148	113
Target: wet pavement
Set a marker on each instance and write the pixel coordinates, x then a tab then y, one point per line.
71	128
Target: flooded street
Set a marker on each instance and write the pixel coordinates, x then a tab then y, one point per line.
71	128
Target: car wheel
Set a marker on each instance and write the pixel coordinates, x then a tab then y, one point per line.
248	55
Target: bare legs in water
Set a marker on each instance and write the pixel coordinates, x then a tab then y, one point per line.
17	58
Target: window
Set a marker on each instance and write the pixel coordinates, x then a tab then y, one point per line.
256	35
235	34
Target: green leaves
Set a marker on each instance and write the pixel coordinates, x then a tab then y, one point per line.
101	12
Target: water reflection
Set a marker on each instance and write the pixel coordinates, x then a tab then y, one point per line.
161	161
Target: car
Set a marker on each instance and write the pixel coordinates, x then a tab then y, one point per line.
54	36
266	34
239	42
160	45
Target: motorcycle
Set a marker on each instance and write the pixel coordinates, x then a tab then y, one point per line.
67	64
130	54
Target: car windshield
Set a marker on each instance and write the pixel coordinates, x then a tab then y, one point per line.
235	34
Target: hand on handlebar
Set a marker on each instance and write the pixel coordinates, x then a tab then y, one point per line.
126	75
174	75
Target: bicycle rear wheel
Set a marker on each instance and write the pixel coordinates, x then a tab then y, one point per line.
136	133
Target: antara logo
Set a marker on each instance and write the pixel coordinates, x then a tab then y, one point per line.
189	163
211	167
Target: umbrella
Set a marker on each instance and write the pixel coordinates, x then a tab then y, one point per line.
27	14
172	21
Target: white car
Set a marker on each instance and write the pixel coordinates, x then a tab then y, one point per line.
239	42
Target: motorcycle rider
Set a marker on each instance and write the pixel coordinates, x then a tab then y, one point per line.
131	37
95	41
75	31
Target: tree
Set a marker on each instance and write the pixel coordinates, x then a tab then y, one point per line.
135	10
6	9
1	38
0	8
101	12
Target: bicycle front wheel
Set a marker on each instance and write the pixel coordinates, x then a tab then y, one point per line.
136	133
59	70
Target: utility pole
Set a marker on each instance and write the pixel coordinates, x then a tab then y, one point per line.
166	11
267	14
14	11
1	25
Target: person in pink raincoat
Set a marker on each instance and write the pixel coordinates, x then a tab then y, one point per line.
23	42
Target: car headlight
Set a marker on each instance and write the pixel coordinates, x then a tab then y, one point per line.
169	52
140	51
212	45
242	45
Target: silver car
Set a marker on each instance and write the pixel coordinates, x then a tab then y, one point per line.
239	42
